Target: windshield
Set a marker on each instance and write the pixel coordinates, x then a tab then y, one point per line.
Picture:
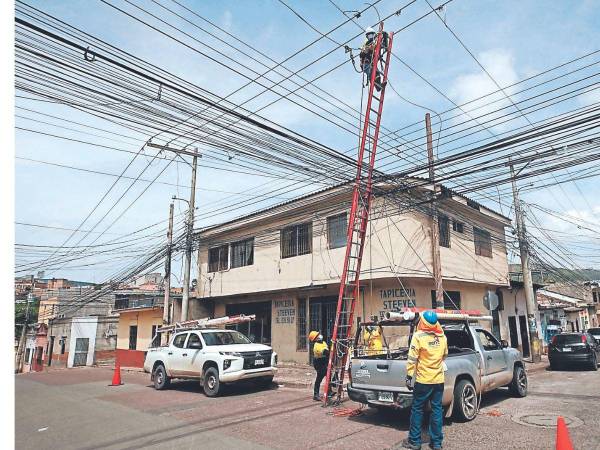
225	338
594	331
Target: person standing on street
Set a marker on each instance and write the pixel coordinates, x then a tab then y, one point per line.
320	360
428	349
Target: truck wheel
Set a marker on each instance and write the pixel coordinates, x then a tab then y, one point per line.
212	386
594	362
160	377
465	401
518	385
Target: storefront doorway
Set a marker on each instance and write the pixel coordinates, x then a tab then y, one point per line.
322	315
258	330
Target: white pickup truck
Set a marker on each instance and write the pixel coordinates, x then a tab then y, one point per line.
213	356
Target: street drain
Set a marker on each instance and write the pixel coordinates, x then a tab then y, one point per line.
545	420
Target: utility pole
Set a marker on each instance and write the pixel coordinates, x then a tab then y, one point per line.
190	227
22	343
534	343
167	284
188	246
435	238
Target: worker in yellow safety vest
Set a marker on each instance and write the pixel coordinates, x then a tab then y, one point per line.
373	339
320	360
428	349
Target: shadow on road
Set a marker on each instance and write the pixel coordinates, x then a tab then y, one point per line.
237	389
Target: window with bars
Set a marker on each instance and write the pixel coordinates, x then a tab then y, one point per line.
337	229
483	242
242	253
451	299
458	227
301	340
218	258
296	240
444	231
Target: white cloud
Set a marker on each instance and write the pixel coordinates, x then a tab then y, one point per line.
501	66
227	20
589	97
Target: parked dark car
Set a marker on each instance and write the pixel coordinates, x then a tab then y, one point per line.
595	332
568	349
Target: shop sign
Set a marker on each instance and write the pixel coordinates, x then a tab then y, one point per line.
285	312
396	299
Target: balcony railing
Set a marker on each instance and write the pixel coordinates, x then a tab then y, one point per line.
137	302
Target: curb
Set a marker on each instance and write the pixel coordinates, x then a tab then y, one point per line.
536	369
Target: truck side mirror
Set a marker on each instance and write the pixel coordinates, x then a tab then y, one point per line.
504	343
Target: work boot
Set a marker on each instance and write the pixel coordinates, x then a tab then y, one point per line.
431	446
406	443
316	398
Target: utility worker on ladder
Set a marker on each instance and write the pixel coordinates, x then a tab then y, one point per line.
374	341
366	56
320	360
428	349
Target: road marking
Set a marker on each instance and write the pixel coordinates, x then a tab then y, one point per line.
42	429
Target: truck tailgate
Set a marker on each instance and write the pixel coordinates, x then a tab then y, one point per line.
379	374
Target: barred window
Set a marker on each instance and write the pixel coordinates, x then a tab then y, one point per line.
301	342
337	229
483	242
444	231
451	300
296	240
242	253
457	226
218	258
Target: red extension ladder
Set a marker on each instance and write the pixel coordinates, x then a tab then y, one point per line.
357	224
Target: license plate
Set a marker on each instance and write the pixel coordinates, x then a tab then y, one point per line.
386	397
567	349
259	362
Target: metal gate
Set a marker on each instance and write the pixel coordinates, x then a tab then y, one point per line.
81	351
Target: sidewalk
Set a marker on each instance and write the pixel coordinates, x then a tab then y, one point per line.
536	367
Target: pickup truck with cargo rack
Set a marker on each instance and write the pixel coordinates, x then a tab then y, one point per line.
477	363
213	356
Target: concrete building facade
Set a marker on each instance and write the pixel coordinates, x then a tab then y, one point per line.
283	264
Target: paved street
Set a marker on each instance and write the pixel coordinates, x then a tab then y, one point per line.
76	409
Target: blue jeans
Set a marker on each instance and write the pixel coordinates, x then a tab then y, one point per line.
422	393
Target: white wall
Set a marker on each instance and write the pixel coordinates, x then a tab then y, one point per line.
83	327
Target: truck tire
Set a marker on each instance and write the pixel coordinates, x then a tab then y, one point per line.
518	385
594	362
465	401
211	383
160	378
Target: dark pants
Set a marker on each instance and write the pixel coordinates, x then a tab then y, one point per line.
422	393
321	373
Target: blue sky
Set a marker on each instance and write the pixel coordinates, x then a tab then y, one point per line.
512	39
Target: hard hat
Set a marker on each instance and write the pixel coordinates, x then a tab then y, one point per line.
430	316
369	30
313	335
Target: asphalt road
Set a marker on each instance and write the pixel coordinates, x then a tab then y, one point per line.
76	409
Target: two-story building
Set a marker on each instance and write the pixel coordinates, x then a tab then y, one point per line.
283	263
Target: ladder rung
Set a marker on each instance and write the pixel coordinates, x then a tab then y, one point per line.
375	97
375	111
